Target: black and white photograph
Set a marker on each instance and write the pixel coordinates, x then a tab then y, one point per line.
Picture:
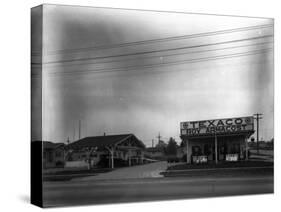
142	105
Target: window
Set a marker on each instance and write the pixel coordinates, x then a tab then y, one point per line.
207	149
58	153
50	157
196	150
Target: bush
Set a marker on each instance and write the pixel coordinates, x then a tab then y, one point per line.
59	164
183	159
104	163
173	159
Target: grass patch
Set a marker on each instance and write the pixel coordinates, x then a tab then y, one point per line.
77	171
221	165
65	175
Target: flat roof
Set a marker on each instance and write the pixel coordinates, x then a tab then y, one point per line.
245	133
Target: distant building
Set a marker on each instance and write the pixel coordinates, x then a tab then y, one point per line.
105	151
268	145
154	153
53	154
217	140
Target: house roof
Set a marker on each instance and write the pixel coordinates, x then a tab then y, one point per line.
154	149
51	145
103	141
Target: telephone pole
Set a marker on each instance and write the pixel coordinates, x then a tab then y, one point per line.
74	132
257	117
159	136
79	129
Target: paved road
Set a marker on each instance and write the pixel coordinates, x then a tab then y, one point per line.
151	170
149	189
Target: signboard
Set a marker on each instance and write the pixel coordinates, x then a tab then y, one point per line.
217	126
231	157
200	159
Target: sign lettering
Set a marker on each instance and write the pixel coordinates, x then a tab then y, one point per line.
218	126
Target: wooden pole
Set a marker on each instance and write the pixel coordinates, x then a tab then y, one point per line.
111	151
129	154
246	147
109	157
257	116
216	148
187	157
79	129
112	158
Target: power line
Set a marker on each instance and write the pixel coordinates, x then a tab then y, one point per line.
172	38
105	70
34	76
164	55
157	65
153	51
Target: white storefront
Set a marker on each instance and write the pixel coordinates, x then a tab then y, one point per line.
217	139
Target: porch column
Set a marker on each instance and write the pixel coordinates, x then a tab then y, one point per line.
112	158
216	148
246	147
187	152
111	151
129	155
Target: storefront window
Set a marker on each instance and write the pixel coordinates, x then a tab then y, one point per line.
58	154
207	149
196	150
235	148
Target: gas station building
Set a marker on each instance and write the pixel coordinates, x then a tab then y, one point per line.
217	140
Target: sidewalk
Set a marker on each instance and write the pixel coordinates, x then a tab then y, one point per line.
151	170
262	169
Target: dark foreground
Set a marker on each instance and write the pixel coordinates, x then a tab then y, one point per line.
134	190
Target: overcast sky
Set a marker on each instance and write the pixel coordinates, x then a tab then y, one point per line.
143	88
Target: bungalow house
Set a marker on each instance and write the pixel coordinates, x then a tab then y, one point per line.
53	154
105	151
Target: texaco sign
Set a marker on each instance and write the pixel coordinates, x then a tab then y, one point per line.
218	126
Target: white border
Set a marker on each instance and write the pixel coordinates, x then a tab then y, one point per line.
15	103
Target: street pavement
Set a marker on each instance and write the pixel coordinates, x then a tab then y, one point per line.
208	184
150	189
151	170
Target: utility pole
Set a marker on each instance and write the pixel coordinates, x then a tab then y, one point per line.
159	136
79	129
74	132
257	116
152	143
